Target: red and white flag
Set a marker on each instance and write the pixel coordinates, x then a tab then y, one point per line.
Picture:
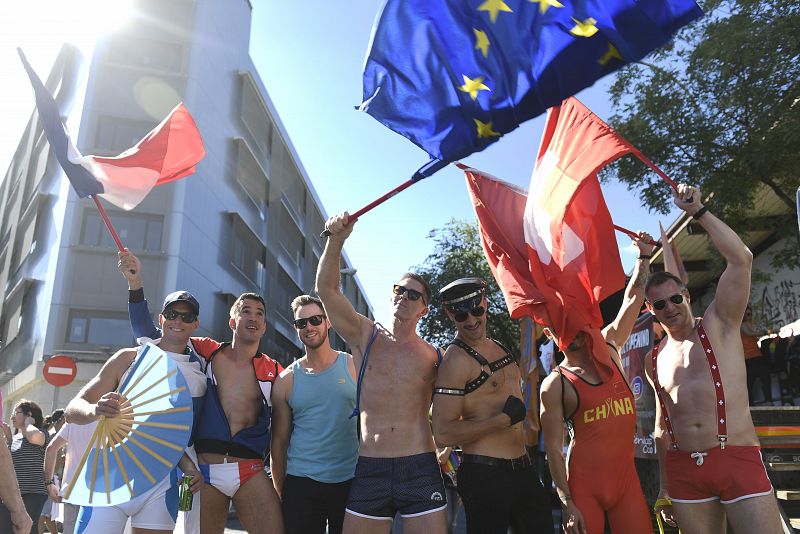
552	249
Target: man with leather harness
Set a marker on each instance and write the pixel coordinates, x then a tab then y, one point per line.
478	404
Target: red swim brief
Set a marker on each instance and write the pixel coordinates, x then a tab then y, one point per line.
728	475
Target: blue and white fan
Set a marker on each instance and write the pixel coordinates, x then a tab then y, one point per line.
129	454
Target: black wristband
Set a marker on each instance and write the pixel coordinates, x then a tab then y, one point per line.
643	257
699	213
136	295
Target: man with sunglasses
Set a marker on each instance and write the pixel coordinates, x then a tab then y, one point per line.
599	480
156	509
314	442
397	469
478	405
708	451
232	435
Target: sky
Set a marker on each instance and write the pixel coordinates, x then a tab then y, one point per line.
310	57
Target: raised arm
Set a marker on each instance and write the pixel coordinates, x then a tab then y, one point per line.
620	329
449	426
281	429
733	288
98	398
345	320
142	323
552	418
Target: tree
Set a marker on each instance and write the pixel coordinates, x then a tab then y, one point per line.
458	254
721	108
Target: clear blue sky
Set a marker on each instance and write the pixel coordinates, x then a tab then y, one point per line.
310	58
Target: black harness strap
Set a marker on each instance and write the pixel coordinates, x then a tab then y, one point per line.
496	365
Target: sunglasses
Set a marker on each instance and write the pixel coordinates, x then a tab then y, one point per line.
412	294
660	304
460	312
186	317
315	320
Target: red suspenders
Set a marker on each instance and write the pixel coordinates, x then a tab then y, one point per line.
722	420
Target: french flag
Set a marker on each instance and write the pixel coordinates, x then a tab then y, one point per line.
169	152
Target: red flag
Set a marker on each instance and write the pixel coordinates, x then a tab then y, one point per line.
553	251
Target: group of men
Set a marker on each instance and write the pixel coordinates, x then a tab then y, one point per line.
351	441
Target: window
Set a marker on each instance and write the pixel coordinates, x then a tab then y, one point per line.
251	176
116	134
136	231
256	118
285	292
146	53
287	351
290	238
247	252
99	328
25	234
12	313
38	165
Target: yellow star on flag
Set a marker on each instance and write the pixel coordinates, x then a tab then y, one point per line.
485	129
473	86
611	53
494	7
481	42
545	4
586	28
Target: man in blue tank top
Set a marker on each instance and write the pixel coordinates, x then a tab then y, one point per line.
314	441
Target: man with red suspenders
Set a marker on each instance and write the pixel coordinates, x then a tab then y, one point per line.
708	451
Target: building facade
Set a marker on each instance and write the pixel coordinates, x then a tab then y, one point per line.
247	220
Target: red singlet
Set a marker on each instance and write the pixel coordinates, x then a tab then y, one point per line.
601	474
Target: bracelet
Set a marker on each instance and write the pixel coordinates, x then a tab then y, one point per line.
567	497
643	257
699	213
51	481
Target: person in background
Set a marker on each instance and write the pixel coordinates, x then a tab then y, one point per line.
756	363
47	523
27	452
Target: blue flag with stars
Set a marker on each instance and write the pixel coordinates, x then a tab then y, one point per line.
453	76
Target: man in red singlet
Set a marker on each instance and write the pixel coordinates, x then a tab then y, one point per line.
708	451
600	478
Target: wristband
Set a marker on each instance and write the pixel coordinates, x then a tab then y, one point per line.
51	481
699	213
643	257
136	295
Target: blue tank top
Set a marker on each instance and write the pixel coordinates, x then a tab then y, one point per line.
324	444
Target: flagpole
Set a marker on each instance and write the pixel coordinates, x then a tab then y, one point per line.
632	234
644	159
106	220
426	170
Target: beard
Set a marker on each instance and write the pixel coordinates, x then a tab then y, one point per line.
317	341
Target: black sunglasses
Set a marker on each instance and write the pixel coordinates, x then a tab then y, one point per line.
315	320
460	312
186	317
660	304
412	294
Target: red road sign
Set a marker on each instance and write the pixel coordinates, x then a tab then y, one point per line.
60	370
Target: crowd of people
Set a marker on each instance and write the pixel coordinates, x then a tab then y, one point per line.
353	440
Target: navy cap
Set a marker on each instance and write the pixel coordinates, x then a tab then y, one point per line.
182	296
461	290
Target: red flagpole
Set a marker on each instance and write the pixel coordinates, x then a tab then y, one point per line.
632	234
106	220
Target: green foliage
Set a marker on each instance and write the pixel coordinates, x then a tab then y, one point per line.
458	254
720	108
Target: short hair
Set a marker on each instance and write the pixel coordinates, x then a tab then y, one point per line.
425	285
29	407
662	277
304	300
237	305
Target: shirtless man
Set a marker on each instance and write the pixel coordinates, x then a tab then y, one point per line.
708	451
600	477
397	470
478	405
156	509
233	433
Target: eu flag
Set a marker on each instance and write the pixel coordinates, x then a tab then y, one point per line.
453	76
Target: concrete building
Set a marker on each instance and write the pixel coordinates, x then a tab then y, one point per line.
247	220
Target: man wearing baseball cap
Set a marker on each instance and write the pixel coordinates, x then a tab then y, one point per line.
478	405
